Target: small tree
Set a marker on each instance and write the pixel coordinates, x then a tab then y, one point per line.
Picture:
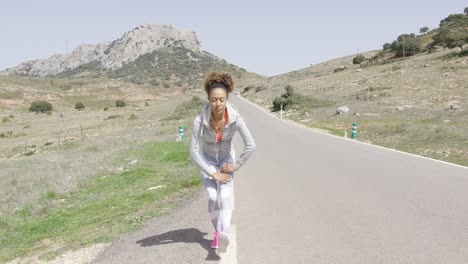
79	106
289	91
423	30
386	46
40	106
406	45
456	39
466	11
279	103
451	18
450	39
359	59
119	103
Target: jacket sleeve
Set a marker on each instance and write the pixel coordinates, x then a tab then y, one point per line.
194	151
249	143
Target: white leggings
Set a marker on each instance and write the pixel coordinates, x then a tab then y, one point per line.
219	196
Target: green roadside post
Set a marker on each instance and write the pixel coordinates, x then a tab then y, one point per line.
354	131
181	133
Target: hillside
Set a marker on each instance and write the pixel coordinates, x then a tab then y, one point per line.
159	55
411	96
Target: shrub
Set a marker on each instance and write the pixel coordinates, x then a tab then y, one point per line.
386	46
40	106
154	82
247	88
451	18
450	39
79	106
106	108
407	43
119	103
289	91
291	98
278	102
423	30
359	59
5	119
133	117
260	88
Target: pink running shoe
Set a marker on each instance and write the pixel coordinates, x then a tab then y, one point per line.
214	243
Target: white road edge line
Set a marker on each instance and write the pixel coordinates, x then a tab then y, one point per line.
342	138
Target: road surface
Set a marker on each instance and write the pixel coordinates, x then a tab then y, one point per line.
309	197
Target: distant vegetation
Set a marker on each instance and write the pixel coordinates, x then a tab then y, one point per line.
79	106
359	59
119	103
291	99
170	66
40	106
452	32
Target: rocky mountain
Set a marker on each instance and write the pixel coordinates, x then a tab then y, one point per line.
147	53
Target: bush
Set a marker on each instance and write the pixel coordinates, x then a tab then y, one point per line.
106	108
119	103
423	30
359	59
386	46
291	98
450	39
260	88
247	88
451	18
278	102
154	82
79	106
133	117
5	119
40	106
289	91
407	43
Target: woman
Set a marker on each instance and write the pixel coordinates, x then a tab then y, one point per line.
212	133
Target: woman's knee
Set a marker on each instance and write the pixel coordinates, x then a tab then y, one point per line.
212	194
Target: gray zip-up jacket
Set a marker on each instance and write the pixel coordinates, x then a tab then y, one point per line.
203	139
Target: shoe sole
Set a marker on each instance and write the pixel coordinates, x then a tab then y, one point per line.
223	242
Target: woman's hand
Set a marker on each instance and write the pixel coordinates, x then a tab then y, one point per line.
222	177
227	167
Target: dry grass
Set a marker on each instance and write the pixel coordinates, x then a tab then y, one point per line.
428	83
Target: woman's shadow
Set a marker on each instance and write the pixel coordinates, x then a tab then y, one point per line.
187	235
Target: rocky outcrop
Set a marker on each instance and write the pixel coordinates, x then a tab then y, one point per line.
112	55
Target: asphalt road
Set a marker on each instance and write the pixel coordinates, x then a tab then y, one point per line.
309	197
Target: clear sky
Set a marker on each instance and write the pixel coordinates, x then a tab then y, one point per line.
266	37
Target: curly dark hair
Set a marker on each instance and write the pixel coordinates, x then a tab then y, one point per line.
219	79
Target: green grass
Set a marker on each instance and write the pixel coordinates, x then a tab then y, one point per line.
103	207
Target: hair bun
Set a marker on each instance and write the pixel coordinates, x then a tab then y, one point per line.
219	77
